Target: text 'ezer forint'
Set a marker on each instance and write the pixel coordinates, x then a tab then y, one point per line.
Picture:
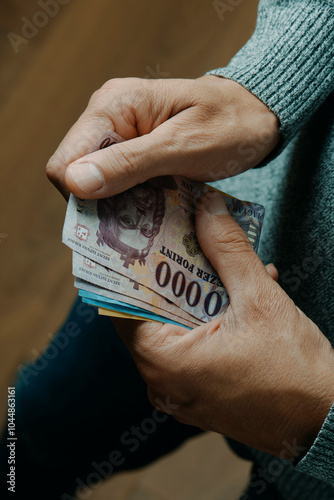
210	278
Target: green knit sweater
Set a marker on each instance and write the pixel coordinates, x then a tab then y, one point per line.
289	64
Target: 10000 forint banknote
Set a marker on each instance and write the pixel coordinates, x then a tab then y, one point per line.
148	235
93	277
129	305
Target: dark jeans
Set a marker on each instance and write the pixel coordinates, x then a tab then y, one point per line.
257	492
82	413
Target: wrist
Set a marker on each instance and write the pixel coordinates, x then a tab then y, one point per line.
256	126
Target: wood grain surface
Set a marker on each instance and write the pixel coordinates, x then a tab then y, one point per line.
45	82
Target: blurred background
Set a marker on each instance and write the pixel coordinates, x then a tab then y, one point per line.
52	59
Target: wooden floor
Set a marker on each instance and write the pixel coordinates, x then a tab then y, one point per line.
45	82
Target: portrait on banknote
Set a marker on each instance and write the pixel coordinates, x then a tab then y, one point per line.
129	221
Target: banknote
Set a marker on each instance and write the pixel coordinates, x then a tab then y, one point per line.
116	286
116	314
130	305
121	307
148	235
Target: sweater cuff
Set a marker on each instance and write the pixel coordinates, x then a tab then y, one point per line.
289	61
319	460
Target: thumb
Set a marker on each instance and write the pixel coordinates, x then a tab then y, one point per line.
227	246
111	170
272	271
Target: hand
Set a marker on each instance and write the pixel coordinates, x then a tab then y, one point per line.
205	129
262	374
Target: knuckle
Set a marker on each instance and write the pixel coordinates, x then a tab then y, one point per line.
113	84
98	98
121	83
119	87
97	104
120	95
52	169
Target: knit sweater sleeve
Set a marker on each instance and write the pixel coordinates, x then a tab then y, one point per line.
319	460
288	63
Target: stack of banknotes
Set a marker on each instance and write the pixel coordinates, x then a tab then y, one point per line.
136	255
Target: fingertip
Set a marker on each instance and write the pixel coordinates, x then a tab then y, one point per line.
216	204
272	271
84	178
213	202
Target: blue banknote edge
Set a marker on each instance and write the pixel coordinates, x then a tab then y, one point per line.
115	305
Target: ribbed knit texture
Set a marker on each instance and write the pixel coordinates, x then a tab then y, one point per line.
289	65
319	459
289	61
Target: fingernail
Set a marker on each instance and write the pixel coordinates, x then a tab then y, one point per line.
216	204
86	176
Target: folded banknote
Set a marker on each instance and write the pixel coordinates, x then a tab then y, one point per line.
138	251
